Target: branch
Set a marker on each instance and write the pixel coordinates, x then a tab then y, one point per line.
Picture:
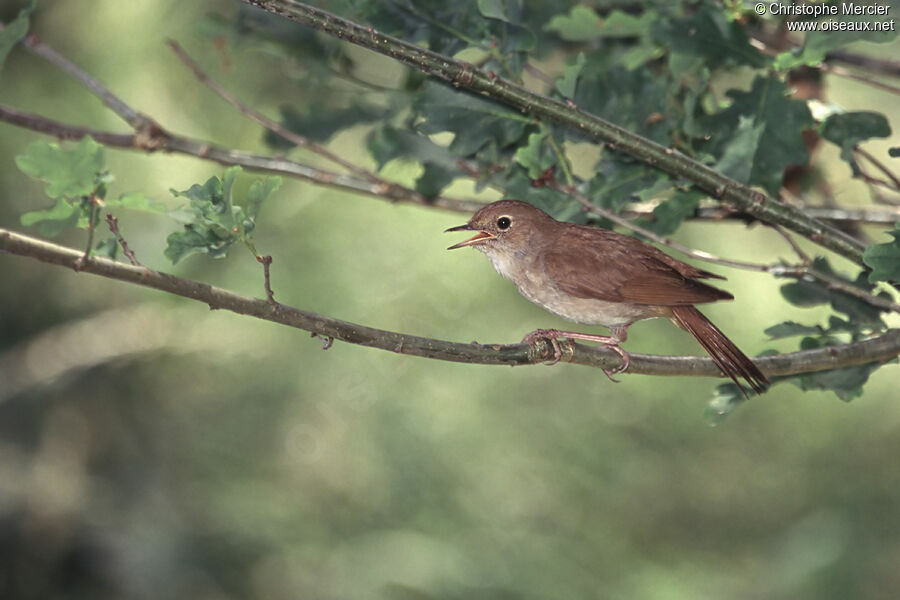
171	142
464	75
880	349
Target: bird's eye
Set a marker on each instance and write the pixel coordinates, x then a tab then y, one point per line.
503	223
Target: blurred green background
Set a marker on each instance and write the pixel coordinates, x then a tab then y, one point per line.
151	448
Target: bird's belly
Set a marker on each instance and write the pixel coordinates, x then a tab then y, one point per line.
588	311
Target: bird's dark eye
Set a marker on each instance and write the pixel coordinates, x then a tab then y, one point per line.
503	223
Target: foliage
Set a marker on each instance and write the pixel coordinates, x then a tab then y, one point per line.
687	75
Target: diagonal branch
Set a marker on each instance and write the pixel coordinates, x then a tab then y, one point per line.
466	76
880	349
177	144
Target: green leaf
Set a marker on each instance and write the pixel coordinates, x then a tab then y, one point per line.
52	221
258	193
320	123
709	34
532	155
581	24
108	247
847	383
68	173
894	152
566	83
780	143
728	397
812	292
669	214
493	9
197	239
738	159
482	128
791	329
434	179
387	143
850	128
884	259
14	31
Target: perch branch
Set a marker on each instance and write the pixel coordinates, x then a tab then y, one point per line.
883	348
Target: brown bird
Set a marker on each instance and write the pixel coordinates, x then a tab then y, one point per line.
595	276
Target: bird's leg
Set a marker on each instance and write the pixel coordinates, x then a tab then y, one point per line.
619	335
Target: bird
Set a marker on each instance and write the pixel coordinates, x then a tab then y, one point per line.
594	276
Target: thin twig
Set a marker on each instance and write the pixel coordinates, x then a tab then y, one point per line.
895	180
182	145
834	284
803	256
842	72
880	349
113	224
869	63
137	120
93	208
266	262
273	126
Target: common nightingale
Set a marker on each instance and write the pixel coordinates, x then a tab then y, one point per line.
594	276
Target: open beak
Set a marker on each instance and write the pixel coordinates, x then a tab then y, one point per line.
475	239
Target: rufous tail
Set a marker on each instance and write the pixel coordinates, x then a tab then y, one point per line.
730	359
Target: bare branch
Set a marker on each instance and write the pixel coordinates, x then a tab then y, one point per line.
880	349
266	122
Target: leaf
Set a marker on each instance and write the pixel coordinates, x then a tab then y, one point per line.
108	247
780	143
709	35
884	259
196	239
850	128
52	221
728	397
581	24
791	329
14	31
387	143
482	128
68	173
258	193
812	292
669	214
566	83
737	160
847	382
434	179
894	151
320	123
493	9
531	155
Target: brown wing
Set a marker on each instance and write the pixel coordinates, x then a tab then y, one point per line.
588	262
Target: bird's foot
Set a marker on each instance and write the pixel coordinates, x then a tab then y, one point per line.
626	361
552	336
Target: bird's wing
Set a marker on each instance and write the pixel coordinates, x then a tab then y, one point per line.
587	262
